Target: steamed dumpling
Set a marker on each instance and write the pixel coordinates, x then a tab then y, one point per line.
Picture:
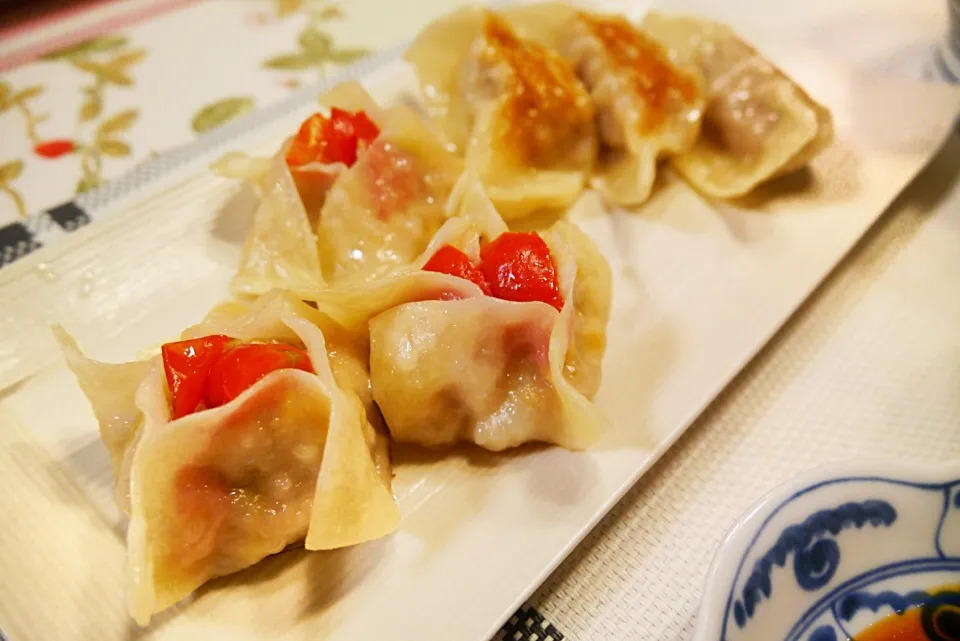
290	458
384	210
449	362
320	222
758	123
513	107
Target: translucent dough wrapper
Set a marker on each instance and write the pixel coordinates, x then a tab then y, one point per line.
293	458
448	363
318	225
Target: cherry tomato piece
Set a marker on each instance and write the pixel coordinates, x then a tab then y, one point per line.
240	366
450	260
518	267
367	130
187	365
306	145
340	138
331	140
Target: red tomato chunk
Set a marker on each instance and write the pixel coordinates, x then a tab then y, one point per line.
338	138
239	367
212	371
452	261
187	365
516	266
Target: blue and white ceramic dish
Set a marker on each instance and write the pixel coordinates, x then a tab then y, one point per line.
836	550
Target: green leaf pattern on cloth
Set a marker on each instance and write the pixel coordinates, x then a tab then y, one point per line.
93	142
220	112
317	50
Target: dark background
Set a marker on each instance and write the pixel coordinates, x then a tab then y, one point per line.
23	10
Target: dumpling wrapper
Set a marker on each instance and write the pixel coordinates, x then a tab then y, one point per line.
492	372
319	224
348	351
432	335
758	123
647	105
111	390
281	247
383	211
513	108
292	457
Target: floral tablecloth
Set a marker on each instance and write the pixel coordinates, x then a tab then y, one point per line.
119	82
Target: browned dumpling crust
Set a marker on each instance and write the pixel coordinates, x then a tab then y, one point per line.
511	105
545	109
648	106
646	68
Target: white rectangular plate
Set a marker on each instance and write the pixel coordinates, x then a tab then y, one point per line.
699	289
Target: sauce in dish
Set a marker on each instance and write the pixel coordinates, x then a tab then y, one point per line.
936	619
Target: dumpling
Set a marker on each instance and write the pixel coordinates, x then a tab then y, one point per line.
647	105
490	337
513	108
758	123
111	390
484	370
239	449
280	248
316	158
383	211
352	193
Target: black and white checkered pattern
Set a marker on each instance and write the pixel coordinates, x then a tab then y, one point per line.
528	625
19	239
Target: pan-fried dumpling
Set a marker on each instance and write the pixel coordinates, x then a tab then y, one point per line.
647	105
491	337
513	108
353	193
242	448
758	123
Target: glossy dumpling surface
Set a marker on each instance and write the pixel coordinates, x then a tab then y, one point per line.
758	123
647	105
319	224
511	105
384	210
497	373
293	458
